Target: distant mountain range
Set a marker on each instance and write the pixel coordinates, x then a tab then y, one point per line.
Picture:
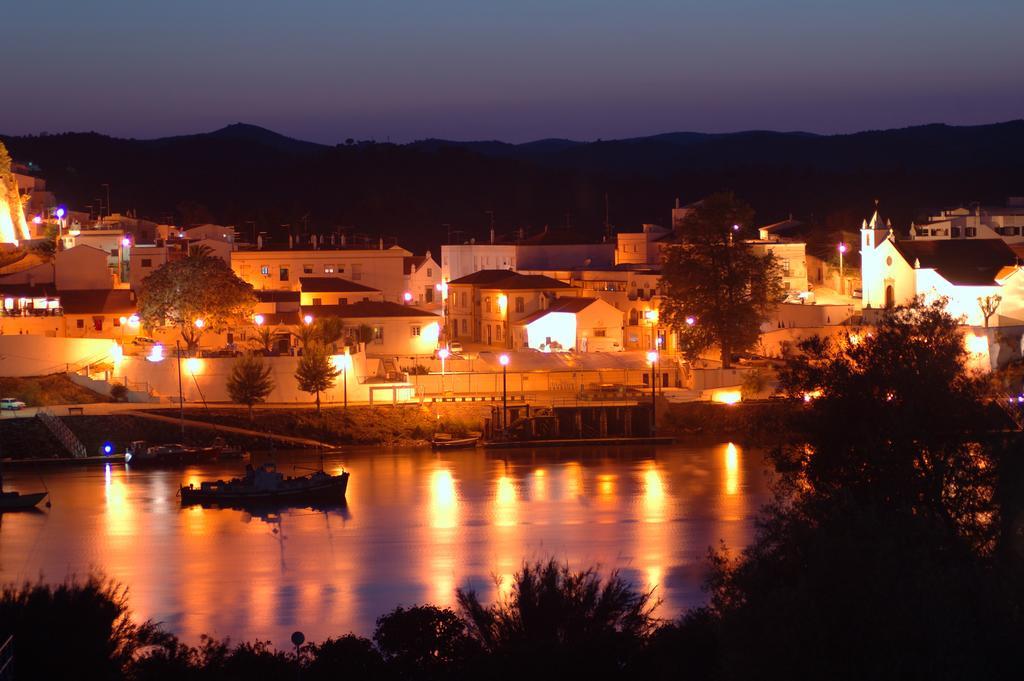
420	192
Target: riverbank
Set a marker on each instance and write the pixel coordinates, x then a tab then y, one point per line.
42	391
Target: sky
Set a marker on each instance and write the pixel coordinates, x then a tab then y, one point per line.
327	70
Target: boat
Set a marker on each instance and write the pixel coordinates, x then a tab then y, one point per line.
16	501
140	453
265	485
447	441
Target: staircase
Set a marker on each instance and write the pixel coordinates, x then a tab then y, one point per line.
63	434
7	659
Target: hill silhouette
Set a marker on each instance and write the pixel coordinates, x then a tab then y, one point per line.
418	192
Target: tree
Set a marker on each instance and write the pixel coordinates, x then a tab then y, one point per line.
423	641
264	339
560	621
887	524
196	293
250	382
989	305
718	290
329	330
315	372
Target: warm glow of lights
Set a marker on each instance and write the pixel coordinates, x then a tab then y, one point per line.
134	320
652	356
342	362
813	395
200	323
156	353
502	303
126	242
123	320
443	353
503	360
193	365
38	220
443	499
606	484
732	469
977	345
727	396
407	297
116	353
842	248
308	319
690	321
259	319
430	333
118	512
60	213
573	480
654	494
854	339
651	316
505	501
540	484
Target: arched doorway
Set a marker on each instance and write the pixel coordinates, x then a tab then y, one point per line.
890	297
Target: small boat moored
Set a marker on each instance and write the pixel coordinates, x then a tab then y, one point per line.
16	501
447	441
265	485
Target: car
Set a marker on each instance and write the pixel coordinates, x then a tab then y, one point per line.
11	404
143	340
455	347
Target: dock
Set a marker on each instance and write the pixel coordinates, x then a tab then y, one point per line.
62	461
579	442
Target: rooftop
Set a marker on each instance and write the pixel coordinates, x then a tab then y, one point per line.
967	262
509	280
365	309
332	285
96	301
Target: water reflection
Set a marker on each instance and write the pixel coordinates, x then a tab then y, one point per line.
416	527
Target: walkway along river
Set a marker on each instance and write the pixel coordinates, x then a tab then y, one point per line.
416	525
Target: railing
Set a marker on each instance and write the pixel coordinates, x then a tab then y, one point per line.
7	660
67	439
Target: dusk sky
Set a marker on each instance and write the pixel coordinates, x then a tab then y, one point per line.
517	71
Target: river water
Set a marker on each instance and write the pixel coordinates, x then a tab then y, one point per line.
416	526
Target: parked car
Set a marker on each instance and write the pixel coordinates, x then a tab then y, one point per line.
857	293
455	347
11	404
143	341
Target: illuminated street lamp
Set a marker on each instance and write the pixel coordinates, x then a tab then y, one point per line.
443	355
407	297
652	357
842	250
503	359
200	323
259	319
690	321
308	319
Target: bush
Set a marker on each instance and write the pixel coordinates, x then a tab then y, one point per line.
118	392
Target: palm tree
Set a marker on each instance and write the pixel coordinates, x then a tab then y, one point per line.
264	339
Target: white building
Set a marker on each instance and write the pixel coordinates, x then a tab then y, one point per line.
963	270
980	222
573	324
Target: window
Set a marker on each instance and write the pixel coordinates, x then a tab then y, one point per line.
328	269
956	233
147	262
600	333
430	271
307	269
378	334
428	294
487	303
357	272
283	274
464	303
416	331
265	270
497	332
464	327
340	269
117	321
970	231
113	252
343	301
520	304
318	301
80	323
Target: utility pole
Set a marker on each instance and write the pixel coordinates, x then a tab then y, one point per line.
181	398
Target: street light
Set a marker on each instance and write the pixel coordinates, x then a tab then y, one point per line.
259	319
443	355
308	319
503	359
842	250
200	323
652	357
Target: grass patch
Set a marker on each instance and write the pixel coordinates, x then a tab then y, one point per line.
41	391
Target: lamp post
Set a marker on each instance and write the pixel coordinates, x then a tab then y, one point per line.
503	359
842	250
652	357
346	360
443	355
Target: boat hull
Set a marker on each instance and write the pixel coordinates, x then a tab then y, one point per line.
13	501
460	443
